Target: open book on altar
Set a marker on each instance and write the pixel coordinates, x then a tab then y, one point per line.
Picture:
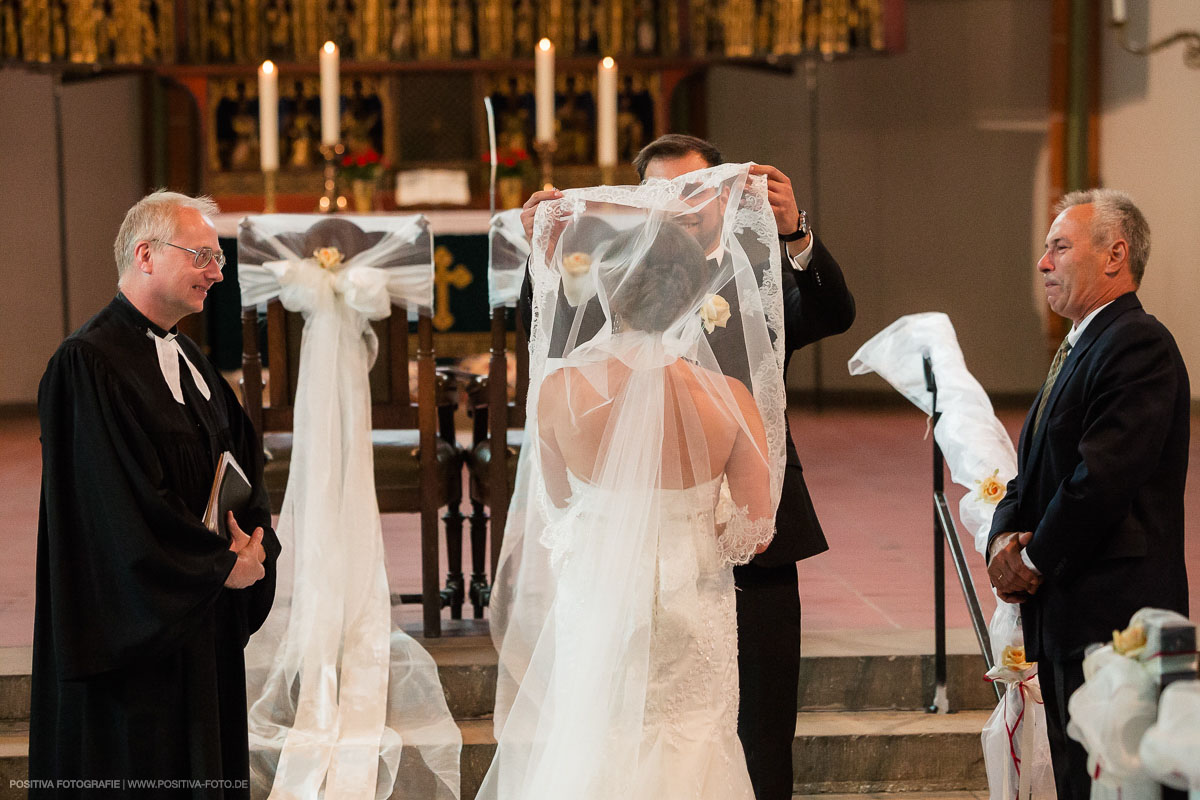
230	492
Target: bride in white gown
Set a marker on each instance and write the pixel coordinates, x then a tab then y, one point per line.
648	471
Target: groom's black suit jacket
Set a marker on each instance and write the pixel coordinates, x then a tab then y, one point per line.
816	304
1101	485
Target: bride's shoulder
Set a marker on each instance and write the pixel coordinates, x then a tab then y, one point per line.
703	379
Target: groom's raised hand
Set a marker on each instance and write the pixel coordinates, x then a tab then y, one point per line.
529	212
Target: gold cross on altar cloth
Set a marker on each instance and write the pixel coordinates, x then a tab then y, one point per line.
445	276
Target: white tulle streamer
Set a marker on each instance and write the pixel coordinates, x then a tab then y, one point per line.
341	706
977	448
1017	767
613	610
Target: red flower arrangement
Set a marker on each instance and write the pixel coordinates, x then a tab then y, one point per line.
511	162
362	166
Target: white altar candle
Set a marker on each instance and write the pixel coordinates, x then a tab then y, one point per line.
330	95
544	92
606	113
1118	11
268	116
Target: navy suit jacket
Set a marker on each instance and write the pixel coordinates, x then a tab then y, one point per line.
816	304
1101	485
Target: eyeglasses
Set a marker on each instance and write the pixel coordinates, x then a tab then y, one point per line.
202	256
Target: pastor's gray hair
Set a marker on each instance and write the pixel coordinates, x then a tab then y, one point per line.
154	219
1115	217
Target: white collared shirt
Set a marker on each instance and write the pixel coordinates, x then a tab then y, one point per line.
799	261
1077	330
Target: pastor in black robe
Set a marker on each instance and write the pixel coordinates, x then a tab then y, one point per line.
138	666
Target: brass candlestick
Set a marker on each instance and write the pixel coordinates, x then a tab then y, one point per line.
607	173
269	176
545	151
332	201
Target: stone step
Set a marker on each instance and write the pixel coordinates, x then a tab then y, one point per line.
14	758
982	794
845	751
829	681
15	663
888	751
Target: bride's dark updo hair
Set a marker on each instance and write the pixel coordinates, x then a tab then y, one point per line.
665	284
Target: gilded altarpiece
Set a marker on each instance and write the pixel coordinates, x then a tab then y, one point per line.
415	72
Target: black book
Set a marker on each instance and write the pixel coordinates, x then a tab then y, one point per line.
230	492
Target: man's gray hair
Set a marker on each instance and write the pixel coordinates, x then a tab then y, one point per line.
1115	217
154	219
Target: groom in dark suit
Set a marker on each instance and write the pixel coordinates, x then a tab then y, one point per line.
817	304
1091	528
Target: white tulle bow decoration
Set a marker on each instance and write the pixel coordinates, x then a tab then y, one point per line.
508	250
335	694
1170	750
1109	714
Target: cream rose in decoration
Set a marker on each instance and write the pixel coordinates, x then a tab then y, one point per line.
328	257
991	490
714	313
1130	642
577	264
1013	658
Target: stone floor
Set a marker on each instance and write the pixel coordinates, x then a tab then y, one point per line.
868	471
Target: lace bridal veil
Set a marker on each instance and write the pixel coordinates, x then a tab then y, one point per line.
653	461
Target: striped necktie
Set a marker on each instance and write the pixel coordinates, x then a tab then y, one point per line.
1055	368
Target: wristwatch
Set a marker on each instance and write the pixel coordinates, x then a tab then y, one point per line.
801	231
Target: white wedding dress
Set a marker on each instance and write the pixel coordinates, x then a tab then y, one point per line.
656	384
688	742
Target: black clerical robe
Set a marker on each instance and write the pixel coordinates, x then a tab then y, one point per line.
138	667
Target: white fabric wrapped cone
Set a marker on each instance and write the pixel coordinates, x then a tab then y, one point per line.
341	706
982	459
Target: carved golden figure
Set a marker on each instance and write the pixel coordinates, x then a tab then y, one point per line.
491	29
35	30
464	29
58	32
244	154
523	29
279	30
301	132
10	44
219	44
402	29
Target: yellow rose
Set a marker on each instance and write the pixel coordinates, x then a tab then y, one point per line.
1014	658
328	257
577	264
991	490
714	313
1130	641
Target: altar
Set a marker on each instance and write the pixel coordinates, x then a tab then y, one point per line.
460	318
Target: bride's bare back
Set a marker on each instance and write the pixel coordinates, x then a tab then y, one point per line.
701	439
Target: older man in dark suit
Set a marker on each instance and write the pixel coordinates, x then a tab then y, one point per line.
1091	529
817	304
